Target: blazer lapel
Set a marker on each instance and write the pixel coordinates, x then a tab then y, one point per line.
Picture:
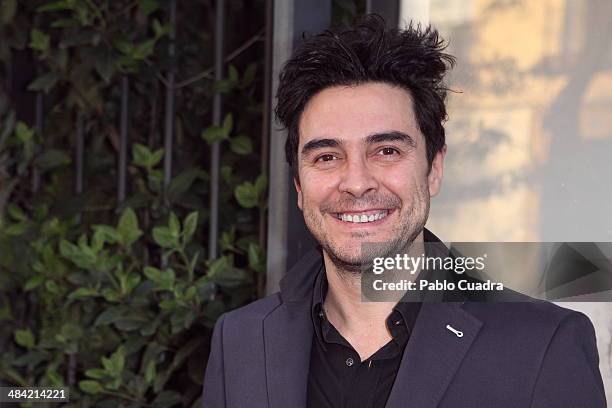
288	339
433	355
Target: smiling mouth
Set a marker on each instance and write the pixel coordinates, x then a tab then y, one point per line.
362	217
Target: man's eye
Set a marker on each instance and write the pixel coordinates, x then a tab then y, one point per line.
326	157
387	151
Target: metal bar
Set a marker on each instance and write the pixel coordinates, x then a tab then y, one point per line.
79	155
216	120
123	142
169	124
279	170
39	129
288	237
265	127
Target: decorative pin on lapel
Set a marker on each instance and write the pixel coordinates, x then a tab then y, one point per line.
458	333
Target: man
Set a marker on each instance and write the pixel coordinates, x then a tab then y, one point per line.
364	109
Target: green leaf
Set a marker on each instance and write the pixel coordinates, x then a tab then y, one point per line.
152	273
33	282
105	66
52	287
228	124
125	47
131	282
167	279
224	86
53	158
109	316
155	157
16	212
108	233
167	399
23	132
226	174
189	226
233	73
17	229
213	134
90	386
118	362
247	195
83	38
39	41
147	6
164	238
174	225
183	182
81	293
141	155
143	50
55	378
164	280
65	23
257	259
194	261
128	227
217	266
7	11
24	338
150	372
159	29
57	6
261	183
45	82
96	373
241	145
249	75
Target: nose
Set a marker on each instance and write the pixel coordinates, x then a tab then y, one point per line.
357	178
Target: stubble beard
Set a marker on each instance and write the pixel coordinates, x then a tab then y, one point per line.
402	237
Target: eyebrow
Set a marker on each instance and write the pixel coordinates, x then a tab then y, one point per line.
393	136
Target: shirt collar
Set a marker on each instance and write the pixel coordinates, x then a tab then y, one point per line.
407	311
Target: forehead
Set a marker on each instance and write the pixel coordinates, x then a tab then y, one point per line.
354	112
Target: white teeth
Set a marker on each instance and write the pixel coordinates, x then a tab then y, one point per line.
362	218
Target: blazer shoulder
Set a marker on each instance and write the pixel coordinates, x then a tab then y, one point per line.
256	310
528	315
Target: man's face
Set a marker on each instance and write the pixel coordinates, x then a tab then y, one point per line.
363	172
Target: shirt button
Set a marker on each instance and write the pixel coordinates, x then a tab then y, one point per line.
349	361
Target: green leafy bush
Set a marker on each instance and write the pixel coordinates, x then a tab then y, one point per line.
117	300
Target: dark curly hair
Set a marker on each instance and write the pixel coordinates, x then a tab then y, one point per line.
411	58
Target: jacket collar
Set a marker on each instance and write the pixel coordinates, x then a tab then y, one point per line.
431	359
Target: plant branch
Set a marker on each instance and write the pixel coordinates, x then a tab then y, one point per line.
208	73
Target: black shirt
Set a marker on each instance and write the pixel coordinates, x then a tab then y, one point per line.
338	378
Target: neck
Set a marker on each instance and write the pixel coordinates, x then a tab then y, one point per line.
344	307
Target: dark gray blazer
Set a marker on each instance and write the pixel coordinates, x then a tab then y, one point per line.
525	354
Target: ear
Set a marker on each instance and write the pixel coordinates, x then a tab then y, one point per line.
298	189
434	179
